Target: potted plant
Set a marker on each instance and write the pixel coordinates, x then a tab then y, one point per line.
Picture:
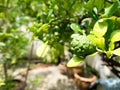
104	38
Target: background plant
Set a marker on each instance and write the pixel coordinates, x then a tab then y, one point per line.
13	42
50	20
52	26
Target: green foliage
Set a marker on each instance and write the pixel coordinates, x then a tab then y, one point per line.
17	39
13	42
104	37
76	28
112	8
74	61
50	54
51	21
103	30
100	25
11	85
53	24
91	4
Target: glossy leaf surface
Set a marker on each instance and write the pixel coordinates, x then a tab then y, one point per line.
115	36
117	51
74	61
100	28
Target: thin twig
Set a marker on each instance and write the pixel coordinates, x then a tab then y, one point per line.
28	63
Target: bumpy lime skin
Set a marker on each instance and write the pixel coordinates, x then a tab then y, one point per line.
82	46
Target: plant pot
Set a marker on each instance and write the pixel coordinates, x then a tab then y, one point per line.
78	69
82	82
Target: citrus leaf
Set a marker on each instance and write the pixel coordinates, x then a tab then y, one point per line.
74	61
116	51
110	10
75	27
115	36
42	50
111	46
94	3
93	54
100	28
108	53
99	41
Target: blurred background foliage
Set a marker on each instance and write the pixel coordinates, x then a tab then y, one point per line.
49	21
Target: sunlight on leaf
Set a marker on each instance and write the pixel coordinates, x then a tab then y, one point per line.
1	65
13	61
75	27
115	36
94	3
117	51
111	46
99	41
93	54
42	50
1	82
74	61
2	44
100	28
108	53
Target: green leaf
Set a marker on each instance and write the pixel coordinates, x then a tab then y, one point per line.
75	27
110	10
94	3
99	41
2	83
74	61
100	28
2	44
99	5
108	53
43	27
118	21
111	26
111	46
42	50
116	51
93	54
115	36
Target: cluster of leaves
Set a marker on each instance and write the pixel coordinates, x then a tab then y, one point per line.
13	45
105	35
13	42
52	26
54	18
51	21
104	30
